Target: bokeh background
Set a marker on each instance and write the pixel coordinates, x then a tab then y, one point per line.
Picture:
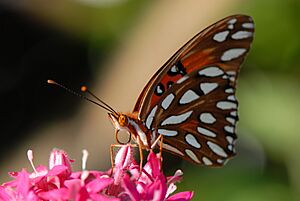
114	46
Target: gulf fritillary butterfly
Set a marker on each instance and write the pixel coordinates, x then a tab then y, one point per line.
189	103
190	100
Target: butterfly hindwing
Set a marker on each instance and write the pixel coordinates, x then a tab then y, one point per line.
197	117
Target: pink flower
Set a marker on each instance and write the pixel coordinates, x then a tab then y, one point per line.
123	182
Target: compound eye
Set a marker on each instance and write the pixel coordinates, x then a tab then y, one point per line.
122	120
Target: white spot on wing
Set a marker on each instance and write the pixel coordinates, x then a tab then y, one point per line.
172	149
188	97
232	21
150	117
182	79
220	161
241	35
248	25
231	97
229	90
177	119
216	149
230	120
166	132
229	129
191	140
233	113
206	161
229	139
231	72
174	69
233	53
207	118
192	155
167	101
232	78
225	105
225	77
158	89
221	36
208	87
206	132
211	71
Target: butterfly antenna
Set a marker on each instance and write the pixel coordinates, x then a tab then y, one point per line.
79	95
85	89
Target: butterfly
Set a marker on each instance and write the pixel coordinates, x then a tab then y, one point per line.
189	106
190	101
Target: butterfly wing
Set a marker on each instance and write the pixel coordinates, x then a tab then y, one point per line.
190	100
215	44
197	117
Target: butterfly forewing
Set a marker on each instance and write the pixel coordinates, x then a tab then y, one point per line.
217	44
191	99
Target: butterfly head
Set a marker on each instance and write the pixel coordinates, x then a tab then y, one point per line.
119	120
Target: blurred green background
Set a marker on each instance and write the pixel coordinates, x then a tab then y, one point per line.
119	44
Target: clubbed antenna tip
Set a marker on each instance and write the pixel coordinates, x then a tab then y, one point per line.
51	82
83	88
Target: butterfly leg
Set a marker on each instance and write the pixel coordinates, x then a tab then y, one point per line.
139	142
160	149
160	140
156	141
161	145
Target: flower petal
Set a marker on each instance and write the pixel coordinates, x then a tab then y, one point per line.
59	157
176	178
4	195
124	157
154	162
56	194
73	186
158	189
98	184
23	183
56	170
171	189
99	197
182	196
130	189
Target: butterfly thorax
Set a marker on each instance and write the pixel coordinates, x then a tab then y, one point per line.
130	123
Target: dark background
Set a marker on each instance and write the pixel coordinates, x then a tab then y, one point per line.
31	53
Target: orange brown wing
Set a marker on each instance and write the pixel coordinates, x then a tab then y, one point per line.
191	100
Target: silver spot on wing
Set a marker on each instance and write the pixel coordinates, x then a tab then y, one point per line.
188	97
177	119
167	101
217	149
150	117
233	53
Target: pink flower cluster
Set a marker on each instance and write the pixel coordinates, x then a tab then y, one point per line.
124	182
